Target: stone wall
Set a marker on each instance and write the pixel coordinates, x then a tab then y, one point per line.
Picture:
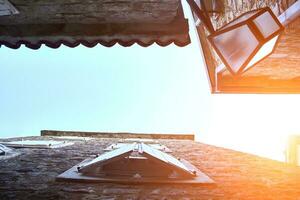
234	8
237	175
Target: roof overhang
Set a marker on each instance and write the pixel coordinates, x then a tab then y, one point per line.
56	22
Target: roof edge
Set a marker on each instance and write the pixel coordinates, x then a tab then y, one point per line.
122	135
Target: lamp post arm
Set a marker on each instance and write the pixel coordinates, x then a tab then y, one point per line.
290	14
201	15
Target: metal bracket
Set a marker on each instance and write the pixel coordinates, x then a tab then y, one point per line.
202	15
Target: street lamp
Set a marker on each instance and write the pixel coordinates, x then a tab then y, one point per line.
244	41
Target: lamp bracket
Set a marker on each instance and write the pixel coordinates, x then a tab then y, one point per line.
202	15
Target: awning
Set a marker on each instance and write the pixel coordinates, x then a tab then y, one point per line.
62	22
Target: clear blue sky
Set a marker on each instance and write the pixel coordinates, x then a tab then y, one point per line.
136	89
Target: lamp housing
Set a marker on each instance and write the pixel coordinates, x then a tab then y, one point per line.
248	39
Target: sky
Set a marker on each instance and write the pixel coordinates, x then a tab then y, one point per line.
136	89
132	89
